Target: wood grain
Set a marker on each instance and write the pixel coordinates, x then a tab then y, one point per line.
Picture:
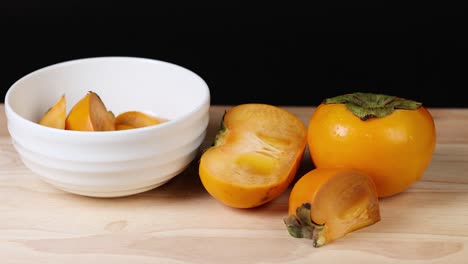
180	223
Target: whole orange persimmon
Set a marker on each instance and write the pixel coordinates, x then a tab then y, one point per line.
390	138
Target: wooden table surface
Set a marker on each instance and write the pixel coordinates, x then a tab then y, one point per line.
180	223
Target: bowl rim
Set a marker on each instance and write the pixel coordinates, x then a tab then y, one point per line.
11	113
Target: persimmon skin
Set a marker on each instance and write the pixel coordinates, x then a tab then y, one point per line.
307	187
394	150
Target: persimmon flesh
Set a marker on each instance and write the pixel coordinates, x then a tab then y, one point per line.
327	203
55	116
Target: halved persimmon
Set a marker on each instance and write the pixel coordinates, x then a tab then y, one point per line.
255	156
90	114
55	116
134	119
328	203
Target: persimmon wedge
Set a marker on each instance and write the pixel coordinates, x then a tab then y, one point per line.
328	203
255	155
134	119
90	114
55	116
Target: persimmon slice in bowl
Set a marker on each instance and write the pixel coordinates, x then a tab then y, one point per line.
90	114
134	119
55	116
328	203
255	156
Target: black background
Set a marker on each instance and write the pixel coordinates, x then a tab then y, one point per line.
278	54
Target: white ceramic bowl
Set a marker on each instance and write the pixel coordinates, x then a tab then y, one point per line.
111	163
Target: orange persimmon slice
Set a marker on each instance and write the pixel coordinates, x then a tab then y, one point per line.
134	119
328	203
55	116
255	156
90	114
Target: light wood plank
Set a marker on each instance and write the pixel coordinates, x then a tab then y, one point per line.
180	223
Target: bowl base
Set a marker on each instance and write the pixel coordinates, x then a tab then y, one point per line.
106	194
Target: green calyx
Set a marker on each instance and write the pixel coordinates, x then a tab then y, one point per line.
304	227
370	105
